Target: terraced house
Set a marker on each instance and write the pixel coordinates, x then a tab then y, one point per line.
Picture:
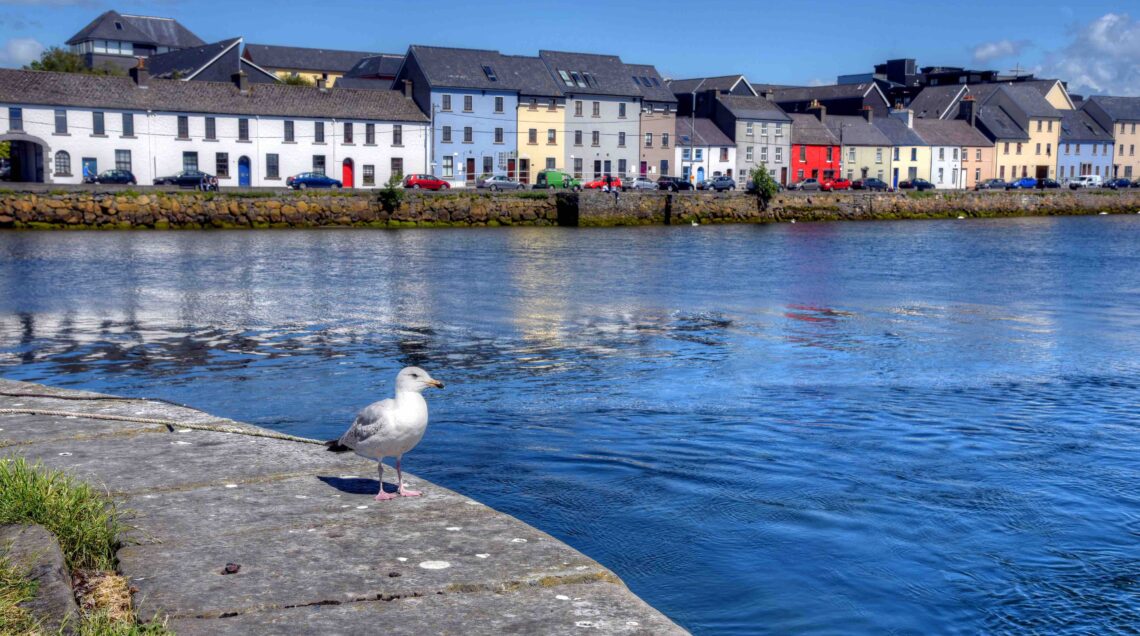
865	150
314	65
541	118
910	154
658	119
1121	116
1086	147
960	155
815	149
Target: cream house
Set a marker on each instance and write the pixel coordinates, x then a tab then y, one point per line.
1121	117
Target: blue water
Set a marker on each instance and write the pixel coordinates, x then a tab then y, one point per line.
908	428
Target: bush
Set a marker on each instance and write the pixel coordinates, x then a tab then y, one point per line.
392	194
763	185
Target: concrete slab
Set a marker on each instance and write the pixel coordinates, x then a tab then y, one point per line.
27	429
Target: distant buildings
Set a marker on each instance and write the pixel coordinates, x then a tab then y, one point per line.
117	39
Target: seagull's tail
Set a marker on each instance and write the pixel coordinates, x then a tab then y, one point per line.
336	447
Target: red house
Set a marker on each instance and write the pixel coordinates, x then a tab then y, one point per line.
815	149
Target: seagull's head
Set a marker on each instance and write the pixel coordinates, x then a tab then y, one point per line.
415	379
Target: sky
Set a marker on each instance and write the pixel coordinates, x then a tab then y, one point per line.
1092	44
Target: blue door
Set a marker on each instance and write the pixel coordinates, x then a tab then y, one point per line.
243	172
700	174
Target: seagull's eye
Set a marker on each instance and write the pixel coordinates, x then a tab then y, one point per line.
415	375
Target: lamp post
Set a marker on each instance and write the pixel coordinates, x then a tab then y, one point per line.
692	132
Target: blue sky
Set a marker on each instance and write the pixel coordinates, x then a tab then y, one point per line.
1096	48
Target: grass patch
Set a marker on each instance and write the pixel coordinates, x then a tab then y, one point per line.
83	519
101	623
15	589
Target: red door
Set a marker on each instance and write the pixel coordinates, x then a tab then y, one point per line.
510	168
346	174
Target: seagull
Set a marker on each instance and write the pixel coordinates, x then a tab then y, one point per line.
390	428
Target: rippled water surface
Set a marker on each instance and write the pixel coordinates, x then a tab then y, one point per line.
917	427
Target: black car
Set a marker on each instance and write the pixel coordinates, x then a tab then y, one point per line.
190	179
1117	184
673	184
991	184
722	183
1047	184
121	177
916	184
872	184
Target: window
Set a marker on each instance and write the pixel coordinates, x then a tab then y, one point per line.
15	118
914	154
578	109
779	154
978	154
1048	150
577	167
940	175
595	138
222	165
128	125
1050	126
942	154
468	135
498	104
552	105
490	73
62	164
597	111
488	165
1001	172
319	164
699	154
664	140
977	174
764	129
577	137
748	129
955	154
468	103
1019	148
878	155
272	166
370	134
532	136
621	110
648	140
397	167
445	102
551	136
621	139
369	175
97	124
123	160
1038	125
622	165
448	167
189	160
550	163
397	134
447	134
289	132
498	135
1039	148
243	129
1131	150
347	132
533	105
685	156
724	154
1121	149
61	124
803	154
851	154
319	132
183	127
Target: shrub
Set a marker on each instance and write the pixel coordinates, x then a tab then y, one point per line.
392	194
763	185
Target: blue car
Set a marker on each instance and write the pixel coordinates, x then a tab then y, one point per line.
1024	183
312	180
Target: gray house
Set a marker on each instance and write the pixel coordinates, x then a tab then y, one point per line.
217	62
116	39
761	130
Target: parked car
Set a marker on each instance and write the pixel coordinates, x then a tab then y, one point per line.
556	179
1024	183
642	183
1085	181
991	184
122	177
607	181
871	183
1136	183
835	184
807	184
189	179
425	182
307	180
498	182
1047	184
673	184
722	183
916	184
1118	183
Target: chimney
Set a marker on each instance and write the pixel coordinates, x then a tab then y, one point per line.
906	116
768	94
408	88
819	110
322	85
139	74
868	114
241	80
968	110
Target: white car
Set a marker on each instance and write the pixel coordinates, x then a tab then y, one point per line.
642	183
498	182
1085	181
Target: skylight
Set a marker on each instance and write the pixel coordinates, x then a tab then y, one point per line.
565	78
578	79
490	73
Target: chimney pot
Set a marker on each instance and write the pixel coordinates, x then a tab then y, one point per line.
139	74
241	80
868	114
321	85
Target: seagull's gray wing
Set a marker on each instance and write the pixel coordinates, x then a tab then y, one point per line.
374	419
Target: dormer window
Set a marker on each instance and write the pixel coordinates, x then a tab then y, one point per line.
490	73
578	79
565	78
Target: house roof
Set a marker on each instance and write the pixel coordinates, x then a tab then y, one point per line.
142	29
897	132
1043	86
823	93
649	82
383	65
853	130
528	75
950	132
1078	126
744	107
601	74
1026	98
296	58
273	100
364	83
936	102
1118	108
999	123
809	131
721	83
703	132
445	67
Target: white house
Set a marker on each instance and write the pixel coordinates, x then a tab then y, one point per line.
64	125
702	150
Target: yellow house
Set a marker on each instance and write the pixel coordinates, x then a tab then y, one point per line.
1120	116
1024	126
541	141
910	155
311	64
865	152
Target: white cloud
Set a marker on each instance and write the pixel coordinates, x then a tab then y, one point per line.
989	51
1102	58
19	51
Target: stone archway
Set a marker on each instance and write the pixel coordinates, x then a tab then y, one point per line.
30	157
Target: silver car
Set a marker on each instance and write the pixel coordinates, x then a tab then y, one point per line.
642	183
498	182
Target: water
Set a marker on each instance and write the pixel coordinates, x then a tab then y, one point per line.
909	428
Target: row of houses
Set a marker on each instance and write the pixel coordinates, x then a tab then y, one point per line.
464	113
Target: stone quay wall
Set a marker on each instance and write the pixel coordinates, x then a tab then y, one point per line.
111	208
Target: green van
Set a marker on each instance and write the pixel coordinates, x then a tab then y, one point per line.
556	179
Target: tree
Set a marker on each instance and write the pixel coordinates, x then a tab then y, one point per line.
763	185
61	60
5	150
296	80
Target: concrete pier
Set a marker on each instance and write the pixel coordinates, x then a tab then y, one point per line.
316	553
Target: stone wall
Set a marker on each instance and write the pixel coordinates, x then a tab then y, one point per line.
125	209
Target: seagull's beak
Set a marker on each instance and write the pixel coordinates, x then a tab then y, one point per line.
436	383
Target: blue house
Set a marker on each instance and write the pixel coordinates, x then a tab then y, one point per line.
472	99
1084	148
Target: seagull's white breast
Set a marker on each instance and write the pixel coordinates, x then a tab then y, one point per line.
407	418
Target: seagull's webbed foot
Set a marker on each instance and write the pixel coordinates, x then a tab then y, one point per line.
385	496
404	492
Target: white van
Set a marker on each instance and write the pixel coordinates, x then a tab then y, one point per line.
1085	181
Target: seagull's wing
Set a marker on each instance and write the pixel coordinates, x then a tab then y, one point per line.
374	419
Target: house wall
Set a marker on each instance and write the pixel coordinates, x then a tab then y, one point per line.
754	147
660	122
483	120
1057	98
946	167
876	160
610	127
977	165
814	163
541	118
1047	138
1126	161
906	160
1075	158
312	76
710	163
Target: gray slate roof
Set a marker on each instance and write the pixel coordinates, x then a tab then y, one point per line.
280	100
853	130
897	132
528	75
215	62
273	57
721	83
705	133
1078	126
657	89
610	75
950	132
137	28
363	83
809	131
1119	108
460	68
935	102
383	65
999	124
1027	98
834	91
743	107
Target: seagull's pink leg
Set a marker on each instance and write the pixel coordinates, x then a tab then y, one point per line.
382	496
400	480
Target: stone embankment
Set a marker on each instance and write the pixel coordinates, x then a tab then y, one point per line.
161	209
239	530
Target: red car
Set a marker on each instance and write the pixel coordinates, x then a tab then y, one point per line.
835	184
425	182
597	184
